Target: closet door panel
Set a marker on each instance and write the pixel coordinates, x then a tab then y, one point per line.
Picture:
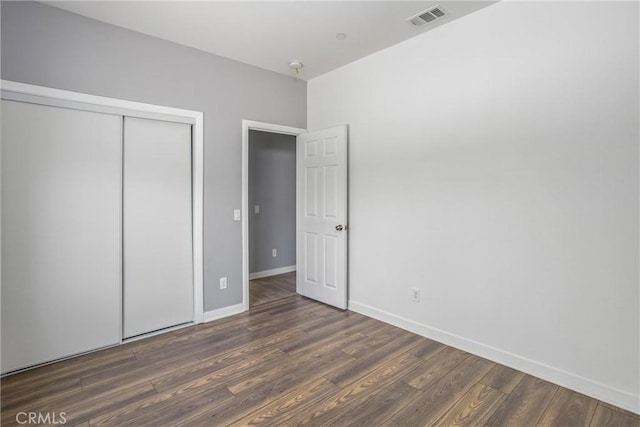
61	232
158	262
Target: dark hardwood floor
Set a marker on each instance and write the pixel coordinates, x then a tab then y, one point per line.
272	288
295	362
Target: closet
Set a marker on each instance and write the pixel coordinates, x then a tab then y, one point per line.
97	228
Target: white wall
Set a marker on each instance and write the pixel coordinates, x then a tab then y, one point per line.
494	165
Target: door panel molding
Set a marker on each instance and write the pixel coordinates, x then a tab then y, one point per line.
322	212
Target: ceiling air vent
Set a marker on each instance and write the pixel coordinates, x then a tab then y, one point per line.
427	16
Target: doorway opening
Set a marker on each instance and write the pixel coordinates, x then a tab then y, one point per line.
269	212
272	216
321	211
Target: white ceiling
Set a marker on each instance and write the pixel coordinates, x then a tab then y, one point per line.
269	34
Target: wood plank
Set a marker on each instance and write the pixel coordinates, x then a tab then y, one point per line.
380	329
361	366
186	341
343	325
379	406
526	404
273	288
390	423
138	370
248	401
291	378
375	340
606	416
328	317
321	412
568	409
624	411
284	305
164	408
336	338
428	371
427	348
85	405
300	315
328	358
15	398
474	408
27	381
439	397
287	335
215	370
281	409
503	378
256	346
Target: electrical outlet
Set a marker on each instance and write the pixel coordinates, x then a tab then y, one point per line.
256	209
223	283
415	295
274	253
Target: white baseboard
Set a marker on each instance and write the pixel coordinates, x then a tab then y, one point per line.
619	398
212	315
273	272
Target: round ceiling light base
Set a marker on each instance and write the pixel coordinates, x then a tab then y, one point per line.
296	66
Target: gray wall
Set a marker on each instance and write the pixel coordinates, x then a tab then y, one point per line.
46	46
272	186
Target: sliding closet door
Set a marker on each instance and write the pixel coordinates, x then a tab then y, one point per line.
158	261
61	244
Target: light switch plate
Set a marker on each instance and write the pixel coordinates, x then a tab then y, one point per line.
236	214
223	283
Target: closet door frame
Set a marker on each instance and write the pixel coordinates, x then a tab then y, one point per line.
23	92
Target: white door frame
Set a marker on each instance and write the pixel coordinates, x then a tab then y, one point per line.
68	99
248	125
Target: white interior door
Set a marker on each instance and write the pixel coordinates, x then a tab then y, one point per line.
158	259
322	215
61	246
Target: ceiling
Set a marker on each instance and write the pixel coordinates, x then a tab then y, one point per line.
269	34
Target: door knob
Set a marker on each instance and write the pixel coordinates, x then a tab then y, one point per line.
339	228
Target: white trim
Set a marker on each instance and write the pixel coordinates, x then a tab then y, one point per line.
264	127
84	98
563	378
212	315
272	272
49	96
198	217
